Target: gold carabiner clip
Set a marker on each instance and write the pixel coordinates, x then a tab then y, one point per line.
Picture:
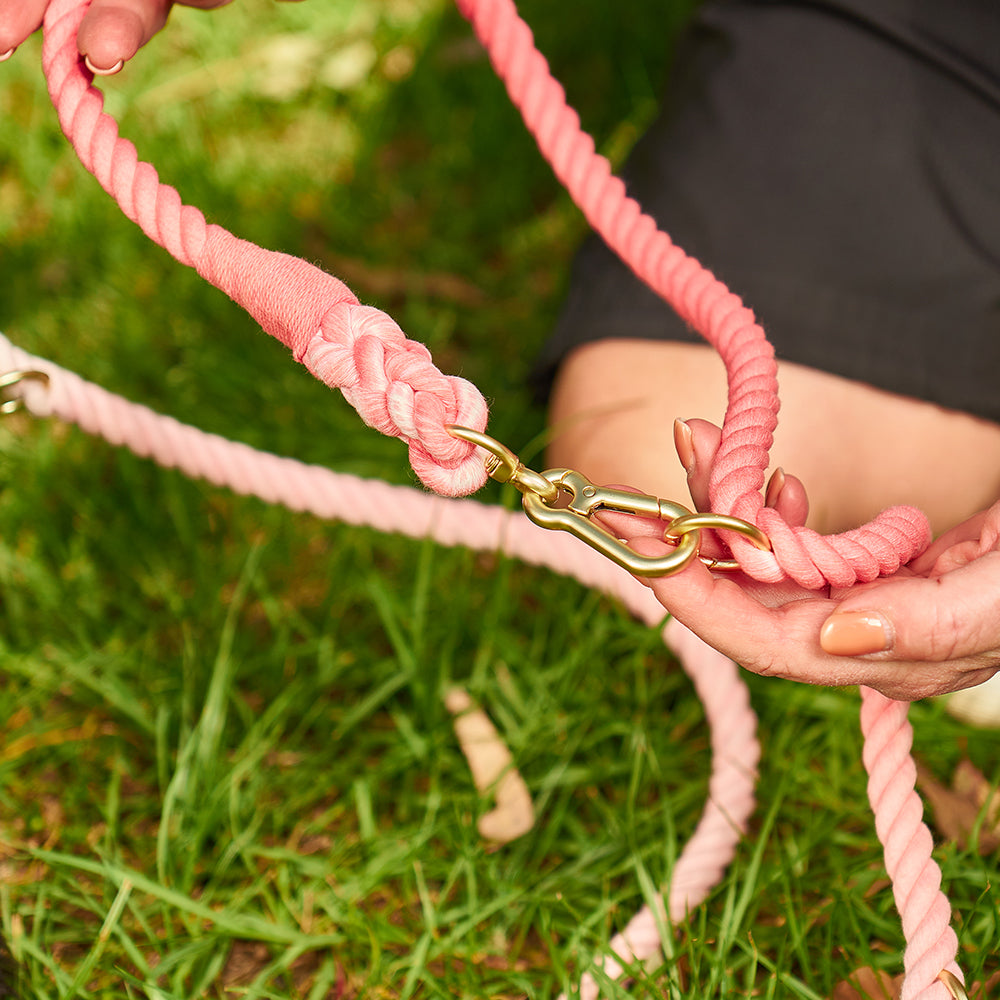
580	499
564	500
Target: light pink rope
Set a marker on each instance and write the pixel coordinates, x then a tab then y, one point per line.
410	512
396	389
931	944
735	754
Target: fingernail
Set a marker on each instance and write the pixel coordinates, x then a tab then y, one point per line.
854	633
104	72
684	443
774	487
4	56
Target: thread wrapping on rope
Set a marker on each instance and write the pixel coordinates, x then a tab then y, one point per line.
393	384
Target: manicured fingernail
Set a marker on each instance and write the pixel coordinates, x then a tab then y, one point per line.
774	487
4	56
854	633
104	72
684	443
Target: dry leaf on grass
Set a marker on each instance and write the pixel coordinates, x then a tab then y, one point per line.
867	984
983	991
957	810
492	771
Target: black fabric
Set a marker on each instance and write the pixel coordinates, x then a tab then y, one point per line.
837	164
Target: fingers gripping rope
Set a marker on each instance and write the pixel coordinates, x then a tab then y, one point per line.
390	380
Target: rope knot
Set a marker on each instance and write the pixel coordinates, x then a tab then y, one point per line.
393	384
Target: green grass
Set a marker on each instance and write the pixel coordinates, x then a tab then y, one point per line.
225	766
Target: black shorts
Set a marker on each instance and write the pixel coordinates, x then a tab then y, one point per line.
837	165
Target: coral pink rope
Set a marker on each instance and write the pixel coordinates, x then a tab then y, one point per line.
812	560
389	379
394	386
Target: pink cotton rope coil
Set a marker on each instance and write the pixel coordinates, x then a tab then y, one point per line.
387	378
396	389
391	381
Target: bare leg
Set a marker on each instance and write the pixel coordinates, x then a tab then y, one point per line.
856	449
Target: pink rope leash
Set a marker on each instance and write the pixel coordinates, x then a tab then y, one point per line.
388	379
396	389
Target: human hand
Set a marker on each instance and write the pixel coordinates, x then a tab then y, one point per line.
932	628
111	33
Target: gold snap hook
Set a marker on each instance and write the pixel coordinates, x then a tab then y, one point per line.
565	500
504	466
586	499
11	404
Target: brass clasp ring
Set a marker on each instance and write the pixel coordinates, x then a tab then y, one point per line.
680	526
11	404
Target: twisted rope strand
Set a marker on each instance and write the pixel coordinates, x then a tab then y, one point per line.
396	389
392	382
931	944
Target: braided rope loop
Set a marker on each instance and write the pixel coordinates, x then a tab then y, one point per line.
392	382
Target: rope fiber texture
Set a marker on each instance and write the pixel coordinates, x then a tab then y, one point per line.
394	386
387	378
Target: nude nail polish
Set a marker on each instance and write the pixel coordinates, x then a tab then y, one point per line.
854	633
684	443
4	56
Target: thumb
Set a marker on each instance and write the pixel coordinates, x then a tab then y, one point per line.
952	617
